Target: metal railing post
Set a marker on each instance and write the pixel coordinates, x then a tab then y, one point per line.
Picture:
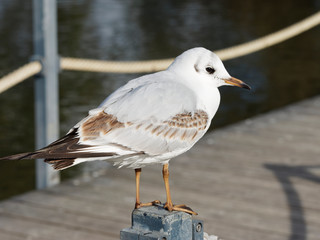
46	85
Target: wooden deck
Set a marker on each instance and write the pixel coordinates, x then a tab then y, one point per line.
258	179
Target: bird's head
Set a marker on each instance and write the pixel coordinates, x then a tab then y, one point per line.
207	65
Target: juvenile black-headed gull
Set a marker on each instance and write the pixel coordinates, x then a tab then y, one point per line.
151	119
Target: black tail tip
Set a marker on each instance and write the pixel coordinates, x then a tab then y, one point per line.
18	156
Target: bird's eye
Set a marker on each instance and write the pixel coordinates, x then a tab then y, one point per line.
210	70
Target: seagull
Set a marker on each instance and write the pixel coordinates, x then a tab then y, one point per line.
149	120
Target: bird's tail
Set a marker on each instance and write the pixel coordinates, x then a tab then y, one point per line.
18	156
62	153
58	164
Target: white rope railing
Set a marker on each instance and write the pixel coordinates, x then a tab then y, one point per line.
89	65
224	54
271	39
19	75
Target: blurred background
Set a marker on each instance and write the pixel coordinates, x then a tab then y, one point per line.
143	30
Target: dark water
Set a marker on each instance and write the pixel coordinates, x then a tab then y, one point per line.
136	30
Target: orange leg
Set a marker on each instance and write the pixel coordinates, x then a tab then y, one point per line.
169	205
138	203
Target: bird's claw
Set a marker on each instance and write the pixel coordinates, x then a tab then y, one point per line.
139	205
179	208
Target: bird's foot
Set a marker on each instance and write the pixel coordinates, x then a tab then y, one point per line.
180	208
139	205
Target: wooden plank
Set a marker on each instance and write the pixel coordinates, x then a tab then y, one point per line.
58	218
96	209
264	154
43	230
11	236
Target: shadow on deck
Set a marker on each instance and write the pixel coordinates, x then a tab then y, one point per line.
284	174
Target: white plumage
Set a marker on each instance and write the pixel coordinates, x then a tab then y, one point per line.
151	119
154	100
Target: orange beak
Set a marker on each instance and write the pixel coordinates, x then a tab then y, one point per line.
236	82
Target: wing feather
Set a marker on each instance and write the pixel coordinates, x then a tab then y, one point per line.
151	137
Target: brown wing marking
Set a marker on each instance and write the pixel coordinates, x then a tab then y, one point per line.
100	123
185	126
188	120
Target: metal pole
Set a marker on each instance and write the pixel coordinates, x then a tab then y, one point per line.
46	85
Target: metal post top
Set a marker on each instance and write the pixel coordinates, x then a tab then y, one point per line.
159	210
157	223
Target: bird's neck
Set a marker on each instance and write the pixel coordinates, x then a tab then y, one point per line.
209	100
208	95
